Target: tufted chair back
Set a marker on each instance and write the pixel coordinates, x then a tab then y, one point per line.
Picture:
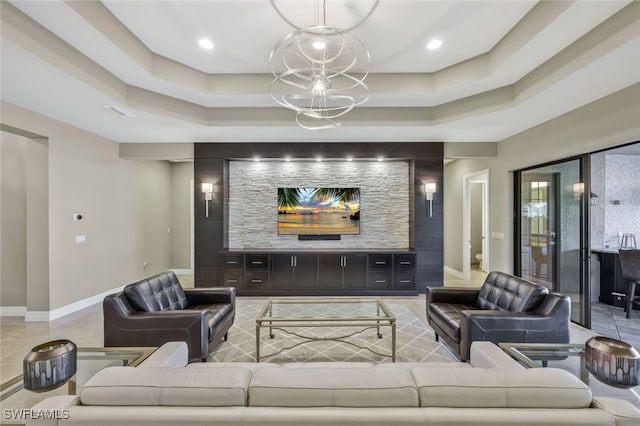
161	292
506	292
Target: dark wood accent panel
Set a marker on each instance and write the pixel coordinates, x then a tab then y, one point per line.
425	159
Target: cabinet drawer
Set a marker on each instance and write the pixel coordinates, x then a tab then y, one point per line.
379	281
233	279
380	262
404	262
256	280
257	262
233	261
404	280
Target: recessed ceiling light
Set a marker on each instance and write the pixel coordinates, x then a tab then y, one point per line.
205	43
381	158
318	158
287	158
256	158
434	44
349	158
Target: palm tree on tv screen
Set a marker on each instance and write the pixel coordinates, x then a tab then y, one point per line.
291	197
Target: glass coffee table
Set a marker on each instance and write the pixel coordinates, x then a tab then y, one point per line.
570	357
14	397
533	355
296	314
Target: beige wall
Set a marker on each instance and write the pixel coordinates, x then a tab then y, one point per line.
85	176
608	122
181	214
153	183
13	220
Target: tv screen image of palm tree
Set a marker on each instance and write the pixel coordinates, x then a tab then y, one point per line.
318	211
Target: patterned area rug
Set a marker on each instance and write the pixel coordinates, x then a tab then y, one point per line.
415	341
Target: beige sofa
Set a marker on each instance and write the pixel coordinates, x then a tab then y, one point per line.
492	390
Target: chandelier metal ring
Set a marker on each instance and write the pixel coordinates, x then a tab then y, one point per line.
297	27
319	72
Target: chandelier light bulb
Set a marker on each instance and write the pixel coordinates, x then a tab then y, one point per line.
319	44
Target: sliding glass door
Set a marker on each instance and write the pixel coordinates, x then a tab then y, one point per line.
551	219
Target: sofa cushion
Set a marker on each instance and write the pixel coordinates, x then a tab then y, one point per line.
328	387
506	292
496	388
447	317
160	386
160	292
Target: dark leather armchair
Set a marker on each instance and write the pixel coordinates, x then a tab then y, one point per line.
156	310
505	309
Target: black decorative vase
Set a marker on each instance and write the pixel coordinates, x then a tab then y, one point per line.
49	365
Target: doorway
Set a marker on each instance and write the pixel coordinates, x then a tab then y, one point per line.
551	231
475	257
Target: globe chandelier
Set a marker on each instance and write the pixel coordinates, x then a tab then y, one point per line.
319	73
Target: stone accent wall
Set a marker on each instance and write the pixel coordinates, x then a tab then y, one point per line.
615	180
384	202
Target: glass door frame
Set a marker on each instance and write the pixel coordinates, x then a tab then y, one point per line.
585	234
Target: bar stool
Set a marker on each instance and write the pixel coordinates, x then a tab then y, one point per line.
630	264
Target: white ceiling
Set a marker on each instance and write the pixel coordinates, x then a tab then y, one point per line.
504	66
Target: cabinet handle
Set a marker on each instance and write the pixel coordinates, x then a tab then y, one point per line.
405	263
231	262
344	261
232	281
256	281
404	281
380	263
295	261
381	281
256	262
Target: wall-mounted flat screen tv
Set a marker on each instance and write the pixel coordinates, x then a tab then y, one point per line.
318	211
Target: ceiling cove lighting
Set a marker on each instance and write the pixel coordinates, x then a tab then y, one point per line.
319	73
434	44
120	110
205	43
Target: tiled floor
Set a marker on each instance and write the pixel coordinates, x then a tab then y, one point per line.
611	321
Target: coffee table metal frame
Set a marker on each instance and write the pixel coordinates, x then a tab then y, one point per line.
383	318
533	355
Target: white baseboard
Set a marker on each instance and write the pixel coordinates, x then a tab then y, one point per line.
454	272
183	271
70	308
12	311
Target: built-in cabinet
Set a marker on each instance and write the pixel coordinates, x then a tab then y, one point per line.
613	287
321	273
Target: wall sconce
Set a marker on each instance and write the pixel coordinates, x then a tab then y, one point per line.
207	189
429	190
